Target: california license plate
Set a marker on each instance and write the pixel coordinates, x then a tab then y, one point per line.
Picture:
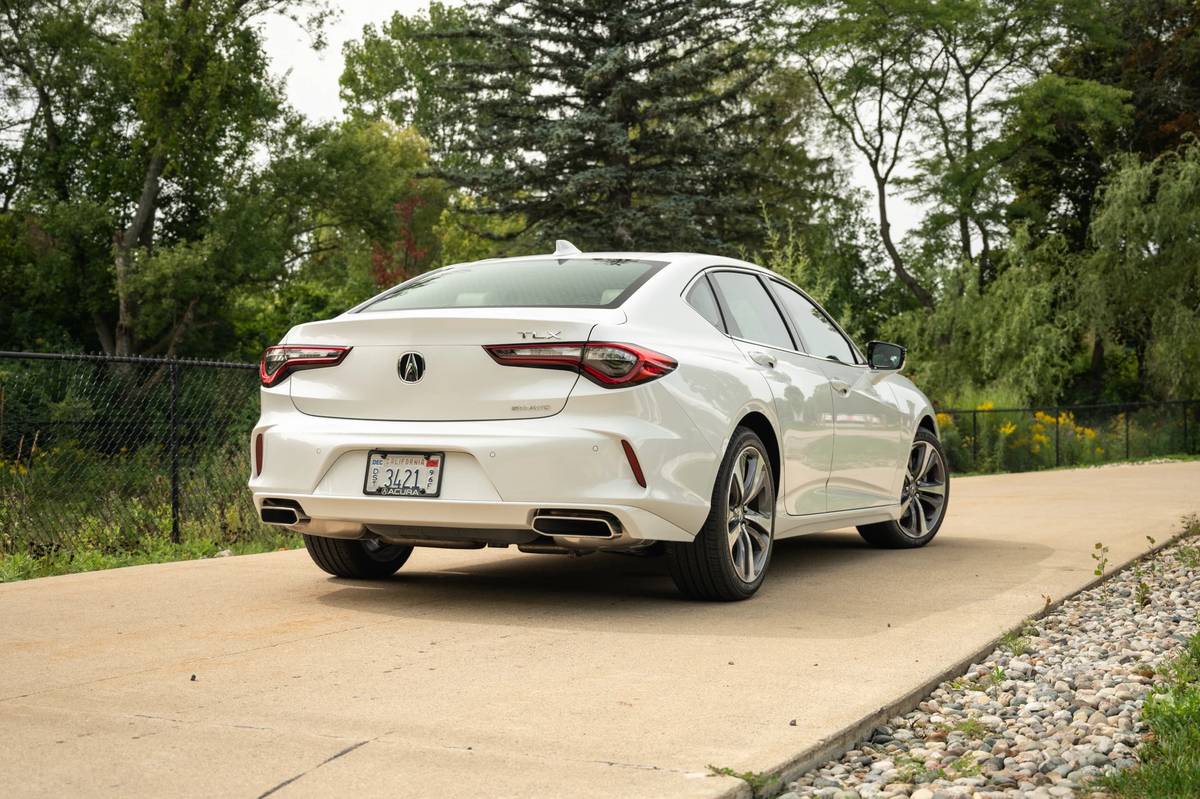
404	474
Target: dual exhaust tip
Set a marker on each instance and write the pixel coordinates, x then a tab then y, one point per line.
583	524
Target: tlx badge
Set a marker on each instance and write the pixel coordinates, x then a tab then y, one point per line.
549	334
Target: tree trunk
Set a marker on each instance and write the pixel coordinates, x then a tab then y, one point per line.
885	232
140	231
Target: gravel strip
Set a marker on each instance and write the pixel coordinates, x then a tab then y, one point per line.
1047	712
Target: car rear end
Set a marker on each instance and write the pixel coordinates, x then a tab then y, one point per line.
477	406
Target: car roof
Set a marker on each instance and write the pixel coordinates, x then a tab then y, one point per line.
680	259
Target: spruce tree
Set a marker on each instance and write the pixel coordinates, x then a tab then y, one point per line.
617	124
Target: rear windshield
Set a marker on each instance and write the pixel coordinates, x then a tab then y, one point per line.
541	283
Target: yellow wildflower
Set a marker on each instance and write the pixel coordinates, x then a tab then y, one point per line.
1007	429
944	419
985	406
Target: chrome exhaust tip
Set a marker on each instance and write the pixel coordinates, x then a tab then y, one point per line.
281	512
584	524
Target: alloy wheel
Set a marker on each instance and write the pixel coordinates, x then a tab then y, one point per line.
751	513
923	497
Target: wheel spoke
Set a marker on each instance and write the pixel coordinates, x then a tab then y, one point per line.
932	489
759	520
926	458
755	479
737	486
747	557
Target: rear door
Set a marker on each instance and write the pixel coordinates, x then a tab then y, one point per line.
800	389
867	422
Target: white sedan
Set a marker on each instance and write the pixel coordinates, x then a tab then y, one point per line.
685	404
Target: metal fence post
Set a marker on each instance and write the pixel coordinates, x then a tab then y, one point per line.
173	443
1127	433
1187	450
1057	425
974	439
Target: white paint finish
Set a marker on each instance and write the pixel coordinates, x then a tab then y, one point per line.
870	439
679	426
803	400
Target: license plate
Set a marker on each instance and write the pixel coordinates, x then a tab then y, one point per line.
404	474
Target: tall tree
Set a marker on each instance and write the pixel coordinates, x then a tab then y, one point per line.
615	124
871	71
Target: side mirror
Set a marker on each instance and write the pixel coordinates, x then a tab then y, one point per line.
885	357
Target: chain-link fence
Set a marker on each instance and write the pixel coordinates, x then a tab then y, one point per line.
108	454
988	439
104	454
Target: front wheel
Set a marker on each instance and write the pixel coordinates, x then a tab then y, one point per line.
729	557
923	499
363	559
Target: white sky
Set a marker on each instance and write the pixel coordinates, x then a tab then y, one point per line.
312	82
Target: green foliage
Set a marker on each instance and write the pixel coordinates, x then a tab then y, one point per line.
1142	286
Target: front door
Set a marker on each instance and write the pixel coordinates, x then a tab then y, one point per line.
867	424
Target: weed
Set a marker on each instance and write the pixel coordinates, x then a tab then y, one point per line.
1100	555
964	766
972	728
1017	641
755	779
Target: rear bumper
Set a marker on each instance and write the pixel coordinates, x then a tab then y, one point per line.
342	517
496	474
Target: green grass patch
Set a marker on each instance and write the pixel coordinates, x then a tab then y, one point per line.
23	566
1170	755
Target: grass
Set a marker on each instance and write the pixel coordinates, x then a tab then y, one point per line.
22	566
1170	756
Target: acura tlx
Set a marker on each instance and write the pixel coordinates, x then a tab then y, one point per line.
687	405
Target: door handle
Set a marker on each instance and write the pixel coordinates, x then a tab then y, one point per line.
763	359
841	387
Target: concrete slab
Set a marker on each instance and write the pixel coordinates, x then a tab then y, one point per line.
499	674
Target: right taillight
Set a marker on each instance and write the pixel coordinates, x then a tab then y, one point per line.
605	363
279	362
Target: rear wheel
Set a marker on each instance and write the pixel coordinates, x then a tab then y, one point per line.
366	559
923	499
729	558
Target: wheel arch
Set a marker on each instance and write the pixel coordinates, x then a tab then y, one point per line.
928	422
762	427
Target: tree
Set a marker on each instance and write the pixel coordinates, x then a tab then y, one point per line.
614	124
1143	284
405	70
870	70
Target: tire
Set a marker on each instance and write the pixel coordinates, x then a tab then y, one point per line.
708	568
366	559
930	500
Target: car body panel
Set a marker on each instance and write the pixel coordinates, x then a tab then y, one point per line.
504	462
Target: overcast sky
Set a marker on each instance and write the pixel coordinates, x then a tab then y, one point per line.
312	82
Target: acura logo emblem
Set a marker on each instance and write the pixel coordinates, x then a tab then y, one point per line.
411	367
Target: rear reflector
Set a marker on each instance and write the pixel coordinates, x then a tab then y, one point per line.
278	362
607	364
258	454
631	456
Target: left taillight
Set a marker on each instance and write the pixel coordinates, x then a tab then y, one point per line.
605	363
280	361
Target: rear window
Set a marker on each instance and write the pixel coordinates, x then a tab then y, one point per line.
541	283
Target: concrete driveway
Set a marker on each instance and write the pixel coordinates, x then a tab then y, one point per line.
495	674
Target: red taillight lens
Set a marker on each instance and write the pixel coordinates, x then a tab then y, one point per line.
278	362
605	363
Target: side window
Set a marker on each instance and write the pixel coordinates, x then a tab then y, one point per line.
820	336
701	298
752	314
